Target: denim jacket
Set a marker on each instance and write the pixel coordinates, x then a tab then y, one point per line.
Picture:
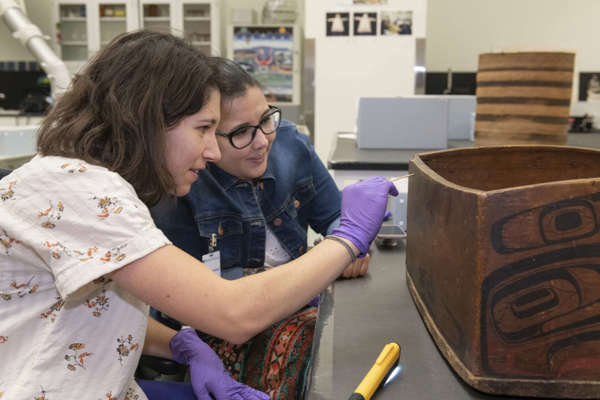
296	191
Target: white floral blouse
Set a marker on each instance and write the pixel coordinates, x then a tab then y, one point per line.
67	331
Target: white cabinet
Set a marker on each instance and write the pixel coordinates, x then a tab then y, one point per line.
200	25
73	32
114	18
194	20
84	26
159	15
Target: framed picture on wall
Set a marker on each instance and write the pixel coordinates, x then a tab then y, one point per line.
270	55
338	24
365	23
396	23
589	86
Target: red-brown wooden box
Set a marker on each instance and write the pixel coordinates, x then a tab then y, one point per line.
503	263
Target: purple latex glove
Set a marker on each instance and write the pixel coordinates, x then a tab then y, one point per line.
207	372
363	210
387	215
315	302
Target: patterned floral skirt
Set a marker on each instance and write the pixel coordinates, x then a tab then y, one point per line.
275	361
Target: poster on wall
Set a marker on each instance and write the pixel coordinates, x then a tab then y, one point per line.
267	53
589	86
338	24
396	23
365	23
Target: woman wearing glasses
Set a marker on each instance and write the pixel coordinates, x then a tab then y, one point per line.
255	204
250	211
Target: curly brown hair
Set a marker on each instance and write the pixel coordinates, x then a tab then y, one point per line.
118	109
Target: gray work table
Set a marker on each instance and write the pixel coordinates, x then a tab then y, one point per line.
358	317
347	156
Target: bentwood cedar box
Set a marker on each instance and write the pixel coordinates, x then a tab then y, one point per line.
503	263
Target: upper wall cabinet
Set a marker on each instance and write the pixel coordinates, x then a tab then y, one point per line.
73	31
84	26
194	20
159	15
200	26
114	18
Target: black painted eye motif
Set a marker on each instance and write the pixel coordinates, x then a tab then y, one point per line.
555	223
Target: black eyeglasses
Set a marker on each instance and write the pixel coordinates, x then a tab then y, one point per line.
244	135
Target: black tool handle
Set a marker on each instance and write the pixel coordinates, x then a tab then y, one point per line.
356	396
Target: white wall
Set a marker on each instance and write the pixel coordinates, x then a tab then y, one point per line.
459	30
347	68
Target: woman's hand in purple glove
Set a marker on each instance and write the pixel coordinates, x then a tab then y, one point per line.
207	372
363	210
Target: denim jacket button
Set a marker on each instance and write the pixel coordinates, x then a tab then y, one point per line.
296	203
220	230
261	185
302	250
277	221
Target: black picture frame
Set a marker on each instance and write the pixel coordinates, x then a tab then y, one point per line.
365	23
337	23
589	85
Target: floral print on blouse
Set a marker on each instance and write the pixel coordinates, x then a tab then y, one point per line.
67	328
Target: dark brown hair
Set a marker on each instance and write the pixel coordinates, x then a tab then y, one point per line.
233	80
118	109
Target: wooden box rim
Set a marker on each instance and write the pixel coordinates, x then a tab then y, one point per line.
420	160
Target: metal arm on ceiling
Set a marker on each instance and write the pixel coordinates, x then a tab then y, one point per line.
32	38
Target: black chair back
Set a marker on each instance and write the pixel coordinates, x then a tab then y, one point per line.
4	172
